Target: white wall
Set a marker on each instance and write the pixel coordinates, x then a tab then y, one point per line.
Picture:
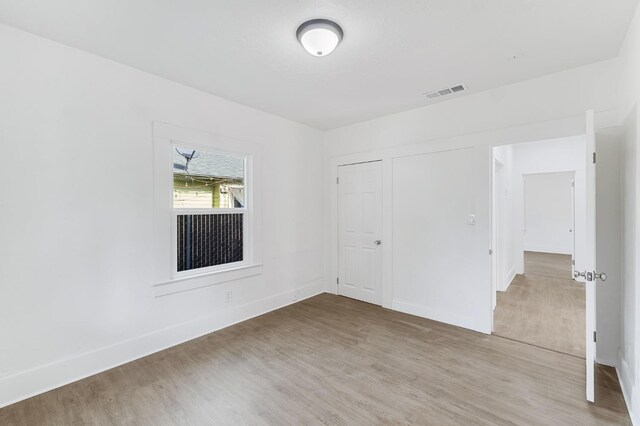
629	116
544	108
541	157
541	101
608	242
76	228
548	213
433	195
629	264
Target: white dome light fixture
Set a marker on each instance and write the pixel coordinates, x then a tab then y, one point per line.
319	36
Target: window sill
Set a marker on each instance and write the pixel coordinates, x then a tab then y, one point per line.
193	282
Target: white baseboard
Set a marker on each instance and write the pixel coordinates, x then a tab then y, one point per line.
32	382
440	316
630	394
510	276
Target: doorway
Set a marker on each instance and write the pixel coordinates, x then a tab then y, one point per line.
549	217
360	231
537	301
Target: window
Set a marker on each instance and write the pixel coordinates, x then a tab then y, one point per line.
209	209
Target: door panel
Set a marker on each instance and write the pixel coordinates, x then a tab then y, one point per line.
359	227
369	201
589	275
368	269
350	276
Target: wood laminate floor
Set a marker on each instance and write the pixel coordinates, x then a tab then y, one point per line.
543	310
333	360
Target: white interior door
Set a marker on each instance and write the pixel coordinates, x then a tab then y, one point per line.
590	275
360	231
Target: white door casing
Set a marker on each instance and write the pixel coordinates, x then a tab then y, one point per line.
573	225
497	206
360	231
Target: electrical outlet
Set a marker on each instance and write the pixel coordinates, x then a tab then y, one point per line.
228	296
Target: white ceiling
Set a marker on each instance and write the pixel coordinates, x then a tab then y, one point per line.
393	50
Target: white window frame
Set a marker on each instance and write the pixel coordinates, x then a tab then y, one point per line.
166	278
247	217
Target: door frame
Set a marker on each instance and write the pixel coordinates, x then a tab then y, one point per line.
585	258
495	232
494	249
370	157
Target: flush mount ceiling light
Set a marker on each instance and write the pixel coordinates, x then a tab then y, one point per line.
319	36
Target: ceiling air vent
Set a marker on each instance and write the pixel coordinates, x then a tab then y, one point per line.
444	92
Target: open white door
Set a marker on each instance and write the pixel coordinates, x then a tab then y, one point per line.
590	255
590	275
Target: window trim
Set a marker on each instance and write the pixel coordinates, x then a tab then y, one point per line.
193	282
166	278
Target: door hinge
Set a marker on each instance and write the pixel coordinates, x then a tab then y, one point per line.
490	252
337	180
594	158
338	281
594	336
573	262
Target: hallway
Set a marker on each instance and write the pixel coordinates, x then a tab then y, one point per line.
544	307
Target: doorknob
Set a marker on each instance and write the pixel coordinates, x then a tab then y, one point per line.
602	276
378	242
590	276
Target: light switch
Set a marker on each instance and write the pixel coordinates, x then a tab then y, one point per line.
471	219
